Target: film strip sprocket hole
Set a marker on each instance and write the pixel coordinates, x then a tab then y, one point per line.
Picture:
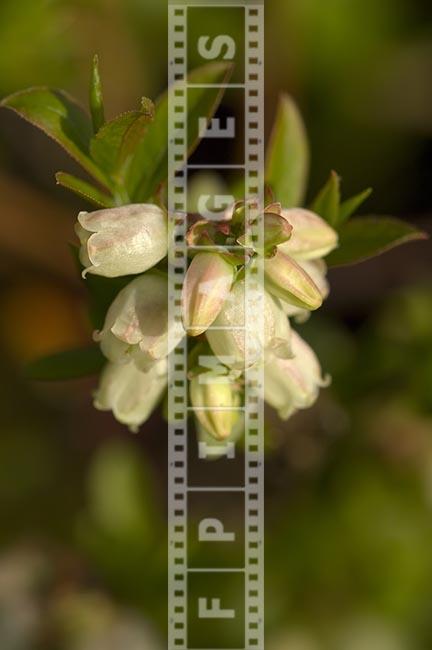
198	597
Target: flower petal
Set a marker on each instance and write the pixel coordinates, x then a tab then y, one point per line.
311	237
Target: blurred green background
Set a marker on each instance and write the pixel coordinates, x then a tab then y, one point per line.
349	483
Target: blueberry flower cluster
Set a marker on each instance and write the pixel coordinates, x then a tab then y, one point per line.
139	334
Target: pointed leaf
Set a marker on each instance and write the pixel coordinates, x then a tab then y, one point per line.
84	190
132	140
366	237
287	161
96	97
327	203
350	206
105	145
62	119
115	143
70	364
149	164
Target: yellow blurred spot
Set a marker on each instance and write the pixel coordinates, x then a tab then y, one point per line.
40	319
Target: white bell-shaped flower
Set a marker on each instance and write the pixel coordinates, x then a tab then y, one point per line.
293	384
130	393
229	340
137	325
311	236
122	241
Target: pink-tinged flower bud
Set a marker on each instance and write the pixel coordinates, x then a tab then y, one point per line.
122	241
227	336
137	326
216	402
130	393
316	269
292	384
207	284
287	280
311	237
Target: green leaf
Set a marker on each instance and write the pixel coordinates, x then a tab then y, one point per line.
70	364
105	145
84	190
132	140
350	206
96	97
149	164
287	160
327	202
62	119
365	237
115	144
